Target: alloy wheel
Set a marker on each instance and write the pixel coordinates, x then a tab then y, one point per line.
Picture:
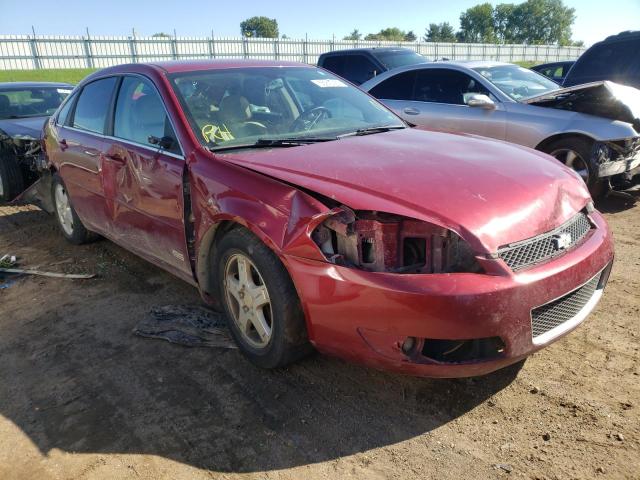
248	300
573	160
63	209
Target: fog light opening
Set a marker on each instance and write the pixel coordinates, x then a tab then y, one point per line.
408	345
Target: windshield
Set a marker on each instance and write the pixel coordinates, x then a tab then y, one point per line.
399	58
31	102
517	82
240	106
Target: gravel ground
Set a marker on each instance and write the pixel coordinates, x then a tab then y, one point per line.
81	397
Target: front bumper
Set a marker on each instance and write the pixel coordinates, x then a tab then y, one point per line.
616	167
365	316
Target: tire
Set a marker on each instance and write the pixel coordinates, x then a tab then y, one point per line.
11	180
575	153
66	217
243	298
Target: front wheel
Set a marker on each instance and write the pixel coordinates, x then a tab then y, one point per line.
66	217
576	154
262	307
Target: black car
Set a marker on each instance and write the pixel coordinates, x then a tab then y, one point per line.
556	71
617	58
360	64
24	107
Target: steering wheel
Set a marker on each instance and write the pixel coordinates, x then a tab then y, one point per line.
307	120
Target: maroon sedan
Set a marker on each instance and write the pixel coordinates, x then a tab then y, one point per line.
313	216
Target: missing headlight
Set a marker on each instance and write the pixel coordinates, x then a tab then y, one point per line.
383	242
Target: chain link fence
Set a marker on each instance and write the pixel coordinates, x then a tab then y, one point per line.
39	51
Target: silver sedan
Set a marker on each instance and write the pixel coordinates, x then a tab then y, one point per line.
593	128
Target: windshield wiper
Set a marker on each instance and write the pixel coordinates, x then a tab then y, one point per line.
274	142
371	130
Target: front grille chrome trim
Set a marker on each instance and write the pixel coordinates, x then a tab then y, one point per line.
533	251
569	323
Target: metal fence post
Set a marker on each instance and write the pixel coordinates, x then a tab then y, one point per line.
87	50
305	49
34	49
174	45
132	48
245	49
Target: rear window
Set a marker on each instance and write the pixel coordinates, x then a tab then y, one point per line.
617	61
395	59
31	102
93	105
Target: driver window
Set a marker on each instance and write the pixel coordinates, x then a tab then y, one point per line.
446	86
140	114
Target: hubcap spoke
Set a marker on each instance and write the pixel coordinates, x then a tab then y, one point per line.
248	300
261	326
259	295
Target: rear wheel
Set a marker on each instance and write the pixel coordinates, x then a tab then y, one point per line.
11	180
67	218
262	307
575	153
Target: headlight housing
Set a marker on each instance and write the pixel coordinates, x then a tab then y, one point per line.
383	242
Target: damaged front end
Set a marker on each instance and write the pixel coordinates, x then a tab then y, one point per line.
384	242
24	163
617	156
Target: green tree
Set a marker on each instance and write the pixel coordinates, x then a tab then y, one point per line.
410	36
161	35
355	35
259	27
440	32
545	22
392	34
476	25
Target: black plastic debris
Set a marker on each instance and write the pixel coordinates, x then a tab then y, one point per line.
187	325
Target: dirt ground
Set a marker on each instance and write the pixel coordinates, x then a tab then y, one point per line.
81	397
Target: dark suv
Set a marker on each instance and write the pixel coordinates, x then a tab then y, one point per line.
360	64
617	58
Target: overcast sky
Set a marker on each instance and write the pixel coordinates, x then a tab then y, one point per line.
595	18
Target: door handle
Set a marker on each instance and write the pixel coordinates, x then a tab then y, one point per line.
116	157
411	111
63	144
91	153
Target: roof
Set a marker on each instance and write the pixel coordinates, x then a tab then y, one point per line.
10	85
473	63
370	49
627	35
174	66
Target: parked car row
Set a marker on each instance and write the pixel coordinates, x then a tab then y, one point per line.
315	216
592	128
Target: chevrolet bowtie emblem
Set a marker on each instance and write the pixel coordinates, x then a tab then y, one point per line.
561	241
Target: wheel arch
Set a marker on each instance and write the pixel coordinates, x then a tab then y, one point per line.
206	250
558	136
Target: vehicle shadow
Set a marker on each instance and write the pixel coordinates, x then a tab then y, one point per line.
68	387
73	376
618	201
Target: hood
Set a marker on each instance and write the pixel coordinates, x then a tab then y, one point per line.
25	127
489	192
604	99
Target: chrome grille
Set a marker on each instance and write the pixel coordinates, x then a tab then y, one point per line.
553	314
543	247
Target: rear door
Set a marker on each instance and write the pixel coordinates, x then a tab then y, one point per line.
78	151
143	180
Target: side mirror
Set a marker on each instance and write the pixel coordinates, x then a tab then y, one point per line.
479	100
164	142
